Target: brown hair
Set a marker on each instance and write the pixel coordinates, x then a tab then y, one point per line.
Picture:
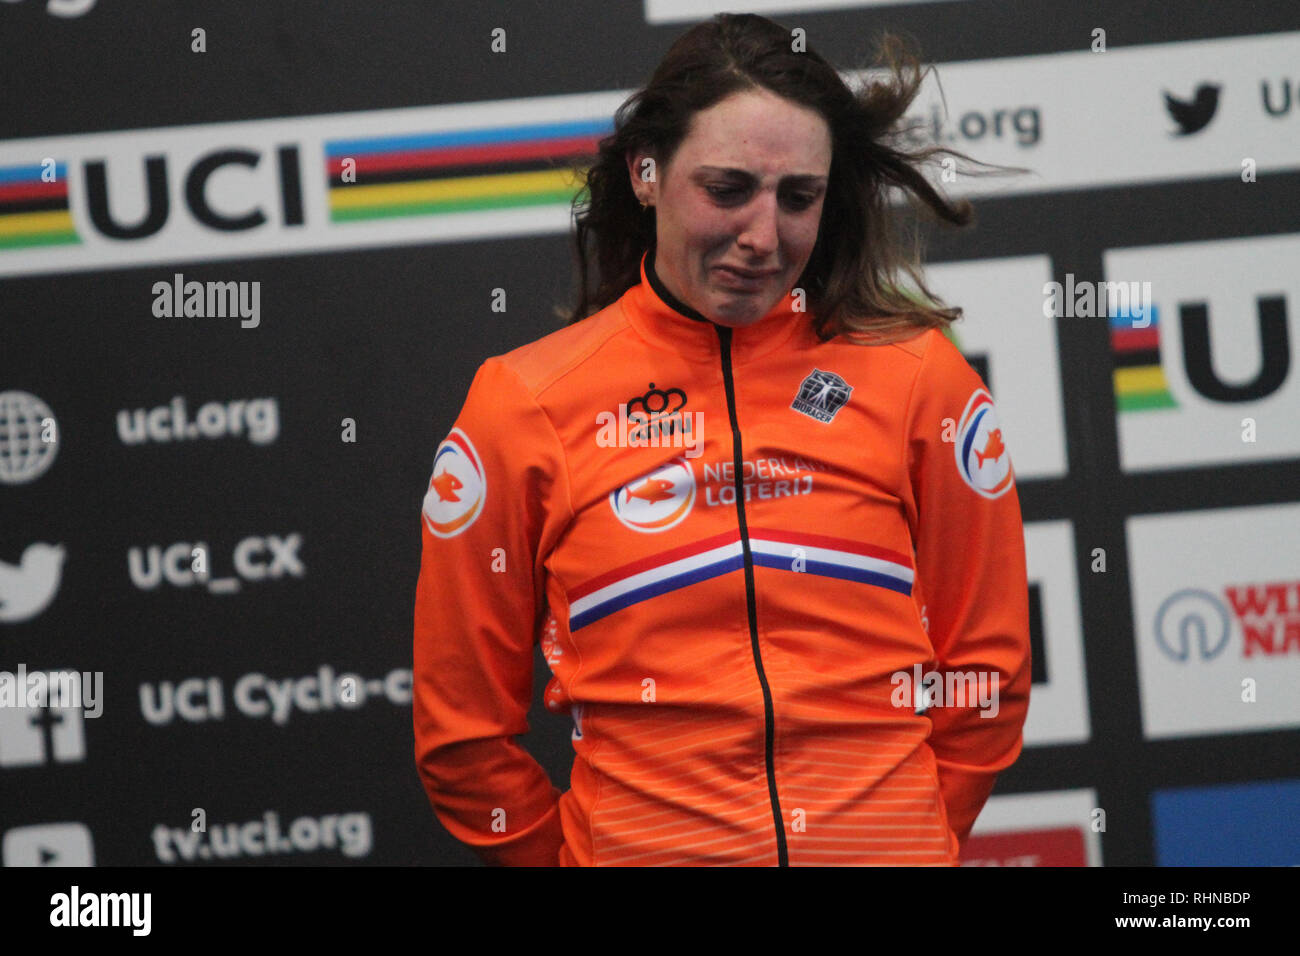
851	281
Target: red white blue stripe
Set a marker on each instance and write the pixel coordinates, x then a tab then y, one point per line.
797	552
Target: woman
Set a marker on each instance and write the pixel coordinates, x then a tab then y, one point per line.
757	504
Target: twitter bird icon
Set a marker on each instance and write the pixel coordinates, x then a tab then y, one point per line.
26	589
1195	114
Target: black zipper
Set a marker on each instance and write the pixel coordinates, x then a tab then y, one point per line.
769	718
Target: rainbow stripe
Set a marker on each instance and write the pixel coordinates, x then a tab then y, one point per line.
681	567
460	171
34	212
1139	378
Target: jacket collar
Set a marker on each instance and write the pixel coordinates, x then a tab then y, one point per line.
663	319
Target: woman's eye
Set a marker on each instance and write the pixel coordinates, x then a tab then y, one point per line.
723	192
797	200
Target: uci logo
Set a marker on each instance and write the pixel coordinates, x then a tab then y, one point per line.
202	207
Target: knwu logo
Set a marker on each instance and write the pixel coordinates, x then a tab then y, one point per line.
183	564
653	420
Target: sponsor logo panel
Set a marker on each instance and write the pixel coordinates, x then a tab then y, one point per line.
1217	618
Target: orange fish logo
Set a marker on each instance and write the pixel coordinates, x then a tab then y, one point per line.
447	485
653	490
983	460
993	448
657	500
457	467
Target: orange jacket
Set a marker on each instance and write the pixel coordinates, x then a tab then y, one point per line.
737	579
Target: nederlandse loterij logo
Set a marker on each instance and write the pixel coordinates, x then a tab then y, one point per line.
457	489
658	500
982	458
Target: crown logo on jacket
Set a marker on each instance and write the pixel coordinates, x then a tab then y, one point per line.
652	420
657	413
654	403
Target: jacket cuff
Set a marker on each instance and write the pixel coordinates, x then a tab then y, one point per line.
537	845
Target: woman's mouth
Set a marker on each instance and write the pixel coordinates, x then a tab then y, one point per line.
742	279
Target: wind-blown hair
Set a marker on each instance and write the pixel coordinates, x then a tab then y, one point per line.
853	281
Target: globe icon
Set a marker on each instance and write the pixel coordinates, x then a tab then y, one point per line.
23	455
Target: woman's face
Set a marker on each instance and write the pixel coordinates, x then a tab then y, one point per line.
738	208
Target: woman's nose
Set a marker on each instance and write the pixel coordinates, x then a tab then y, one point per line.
759	232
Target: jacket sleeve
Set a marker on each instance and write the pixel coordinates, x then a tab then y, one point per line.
968	535
496	499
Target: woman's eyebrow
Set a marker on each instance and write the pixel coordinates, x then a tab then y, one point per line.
809	178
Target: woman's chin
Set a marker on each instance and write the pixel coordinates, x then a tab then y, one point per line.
730	308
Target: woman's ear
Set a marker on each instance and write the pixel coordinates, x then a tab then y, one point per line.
643	172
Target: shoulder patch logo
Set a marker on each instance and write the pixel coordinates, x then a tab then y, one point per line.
982	458
656	501
821	395
457	489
